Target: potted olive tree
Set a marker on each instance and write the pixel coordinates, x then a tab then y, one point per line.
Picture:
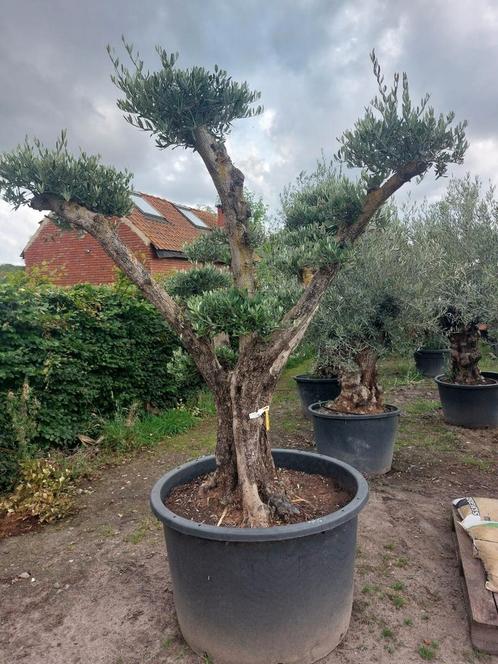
456	241
249	561
369	312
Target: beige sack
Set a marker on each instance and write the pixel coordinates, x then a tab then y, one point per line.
480	520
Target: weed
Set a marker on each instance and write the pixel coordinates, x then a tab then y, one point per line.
398	601
398	585
481	464
387	633
167	642
401	562
408	622
368	589
140	532
390	546
428	650
107	531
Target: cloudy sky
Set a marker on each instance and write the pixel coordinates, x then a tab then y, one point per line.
309	59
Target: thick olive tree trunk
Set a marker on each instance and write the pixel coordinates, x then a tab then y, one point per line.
360	390
465	355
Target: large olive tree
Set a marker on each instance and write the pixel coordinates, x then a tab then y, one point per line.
454	243
392	143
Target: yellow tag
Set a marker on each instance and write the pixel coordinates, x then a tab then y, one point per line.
267	419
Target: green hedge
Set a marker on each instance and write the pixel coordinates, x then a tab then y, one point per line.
87	353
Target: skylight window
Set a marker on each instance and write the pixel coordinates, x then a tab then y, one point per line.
192	217
145	207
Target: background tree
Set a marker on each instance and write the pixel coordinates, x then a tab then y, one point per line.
195	108
369	311
455	248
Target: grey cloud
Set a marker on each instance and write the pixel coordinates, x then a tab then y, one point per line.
309	58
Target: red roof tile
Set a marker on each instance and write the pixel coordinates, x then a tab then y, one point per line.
176	230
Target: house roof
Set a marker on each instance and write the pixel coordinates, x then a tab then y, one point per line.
174	230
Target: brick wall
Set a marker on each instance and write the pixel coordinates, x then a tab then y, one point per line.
70	257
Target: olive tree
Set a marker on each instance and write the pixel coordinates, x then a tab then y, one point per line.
394	142
368	312
455	248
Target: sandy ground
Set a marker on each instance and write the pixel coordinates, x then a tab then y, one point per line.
99	590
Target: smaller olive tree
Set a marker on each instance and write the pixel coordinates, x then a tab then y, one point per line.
369	312
454	243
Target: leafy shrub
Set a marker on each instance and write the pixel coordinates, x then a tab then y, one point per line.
87	353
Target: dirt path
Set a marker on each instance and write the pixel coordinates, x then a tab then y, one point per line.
99	591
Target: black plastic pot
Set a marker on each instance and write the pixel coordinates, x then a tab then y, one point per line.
364	441
312	390
280	595
470	406
431	363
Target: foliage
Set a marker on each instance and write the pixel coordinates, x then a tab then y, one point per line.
86	352
291	251
33	170
394	132
121	435
186	283
455	247
234	313
214	248
182	371
209	248
324	197
370	304
171	102
8	268
45	491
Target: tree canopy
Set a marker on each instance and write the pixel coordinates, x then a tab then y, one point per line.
32	170
393	132
171	103
455	247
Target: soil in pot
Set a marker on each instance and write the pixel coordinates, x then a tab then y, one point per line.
366	441
313	496
278	595
471	406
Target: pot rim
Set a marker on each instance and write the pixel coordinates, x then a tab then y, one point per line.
275	533
307	378
421	349
393	411
458	386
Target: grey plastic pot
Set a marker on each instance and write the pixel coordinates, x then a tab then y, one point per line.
364	441
471	406
280	595
312	390
431	363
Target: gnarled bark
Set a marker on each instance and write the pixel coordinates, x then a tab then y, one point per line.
360	391
465	356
